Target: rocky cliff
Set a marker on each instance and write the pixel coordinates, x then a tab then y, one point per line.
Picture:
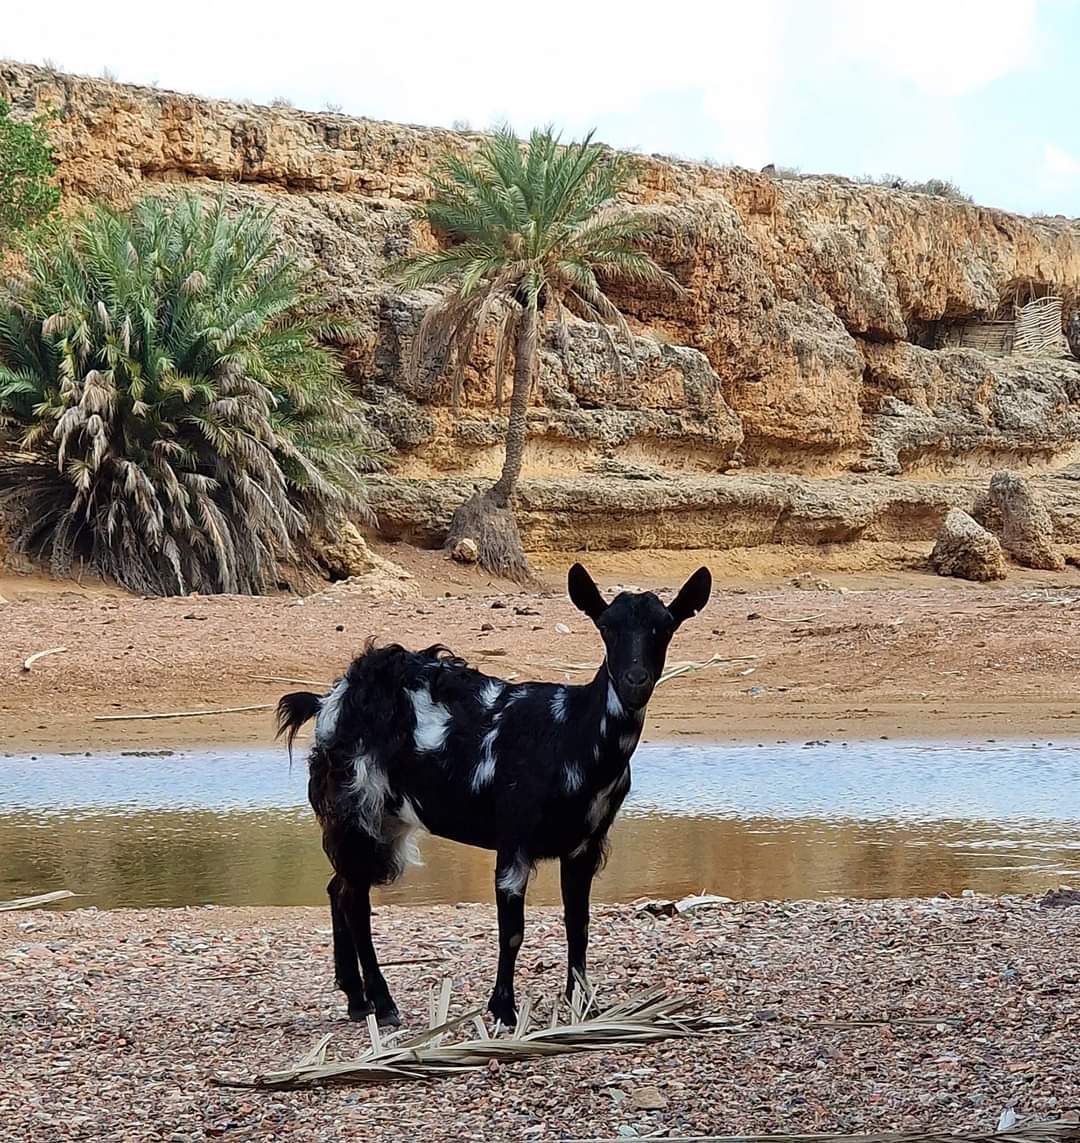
803	344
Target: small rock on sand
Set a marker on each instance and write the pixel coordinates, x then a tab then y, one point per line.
466	551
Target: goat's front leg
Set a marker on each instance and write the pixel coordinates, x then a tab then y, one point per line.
576	875
512	871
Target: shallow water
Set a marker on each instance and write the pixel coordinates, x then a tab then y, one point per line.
879	819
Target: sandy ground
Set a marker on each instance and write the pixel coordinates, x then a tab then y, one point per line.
113	1023
886	652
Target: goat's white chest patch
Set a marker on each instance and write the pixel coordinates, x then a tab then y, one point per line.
432	720
558	705
370	788
614	704
628	742
600	806
402	832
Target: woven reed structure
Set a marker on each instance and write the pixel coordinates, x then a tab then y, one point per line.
1034	329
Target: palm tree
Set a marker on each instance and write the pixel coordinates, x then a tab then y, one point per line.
533	234
165	415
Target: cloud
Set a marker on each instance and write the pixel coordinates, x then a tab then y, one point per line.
946	48
1060	170
432	62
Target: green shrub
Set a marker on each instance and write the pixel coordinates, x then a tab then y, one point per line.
167	417
27	193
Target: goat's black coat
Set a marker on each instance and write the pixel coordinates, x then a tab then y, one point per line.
411	739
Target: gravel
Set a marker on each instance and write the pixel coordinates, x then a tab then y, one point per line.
113	1022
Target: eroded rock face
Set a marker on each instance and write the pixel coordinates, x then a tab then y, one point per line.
620	512
966	550
801	343
1016	512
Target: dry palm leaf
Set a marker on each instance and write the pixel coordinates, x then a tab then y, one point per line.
1047	1131
687	668
32	659
642	1019
34	902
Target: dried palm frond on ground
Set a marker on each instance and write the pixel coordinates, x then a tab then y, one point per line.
1051	1131
673	672
642	1019
37	901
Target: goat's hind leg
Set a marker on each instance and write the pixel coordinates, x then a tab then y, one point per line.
346	966
356	902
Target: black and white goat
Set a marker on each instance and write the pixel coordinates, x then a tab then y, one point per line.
411	740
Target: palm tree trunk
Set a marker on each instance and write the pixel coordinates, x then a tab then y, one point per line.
487	517
524	370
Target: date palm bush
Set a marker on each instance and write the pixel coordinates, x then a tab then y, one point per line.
166	417
533	232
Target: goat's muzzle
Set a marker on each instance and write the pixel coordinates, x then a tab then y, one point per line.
636	687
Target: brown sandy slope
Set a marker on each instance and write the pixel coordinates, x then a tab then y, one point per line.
896	654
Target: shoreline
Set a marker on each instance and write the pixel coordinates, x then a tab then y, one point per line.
997	727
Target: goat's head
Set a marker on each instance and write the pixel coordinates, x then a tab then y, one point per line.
636	628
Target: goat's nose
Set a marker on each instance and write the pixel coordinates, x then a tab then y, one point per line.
636	677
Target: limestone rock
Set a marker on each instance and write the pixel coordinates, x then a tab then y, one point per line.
560	514
808	581
966	550
932	409
744	510
800	345
357	570
466	551
348	554
1016	512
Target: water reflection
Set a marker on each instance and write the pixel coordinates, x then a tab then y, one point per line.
873	820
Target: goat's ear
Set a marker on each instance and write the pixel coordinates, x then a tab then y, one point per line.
692	597
584	594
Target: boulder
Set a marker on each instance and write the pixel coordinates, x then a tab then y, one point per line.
348	554
967	550
1017	514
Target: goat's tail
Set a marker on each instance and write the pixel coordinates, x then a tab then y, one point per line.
293	711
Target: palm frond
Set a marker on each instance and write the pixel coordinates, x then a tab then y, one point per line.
182	427
525	223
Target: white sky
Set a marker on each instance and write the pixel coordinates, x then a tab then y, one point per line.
850	86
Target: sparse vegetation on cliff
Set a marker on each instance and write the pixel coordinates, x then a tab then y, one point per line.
27	193
165	414
938	188
534	233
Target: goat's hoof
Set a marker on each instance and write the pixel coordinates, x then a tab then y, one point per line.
387	1015
361	1011
504	1011
583	990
